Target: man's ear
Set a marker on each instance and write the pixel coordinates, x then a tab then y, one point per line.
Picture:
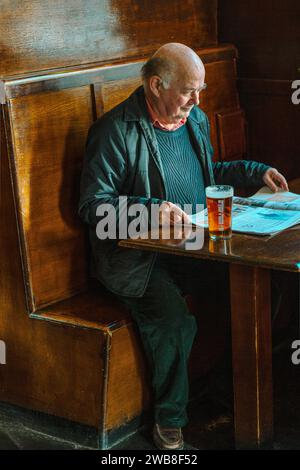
155	84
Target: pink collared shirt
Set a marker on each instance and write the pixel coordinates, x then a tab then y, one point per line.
157	123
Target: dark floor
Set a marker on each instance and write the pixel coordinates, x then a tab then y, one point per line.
211	423
211	420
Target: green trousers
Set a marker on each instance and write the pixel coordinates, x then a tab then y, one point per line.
168	328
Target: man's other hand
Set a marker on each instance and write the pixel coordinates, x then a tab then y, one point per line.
275	180
170	214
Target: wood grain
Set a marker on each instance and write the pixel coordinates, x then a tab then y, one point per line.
267	36
49	132
251	356
280	252
39	35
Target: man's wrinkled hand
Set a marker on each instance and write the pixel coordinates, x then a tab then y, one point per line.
275	180
170	214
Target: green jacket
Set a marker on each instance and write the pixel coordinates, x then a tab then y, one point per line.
122	158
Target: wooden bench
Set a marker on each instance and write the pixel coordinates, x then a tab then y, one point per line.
72	349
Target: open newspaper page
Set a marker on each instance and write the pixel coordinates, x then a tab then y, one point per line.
264	213
282	200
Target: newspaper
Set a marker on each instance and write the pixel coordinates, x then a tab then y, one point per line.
264	213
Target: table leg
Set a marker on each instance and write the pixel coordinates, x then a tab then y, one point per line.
252	356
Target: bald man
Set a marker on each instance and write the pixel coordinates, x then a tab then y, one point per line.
154	148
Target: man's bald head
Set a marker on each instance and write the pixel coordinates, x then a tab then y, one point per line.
172	61
173	80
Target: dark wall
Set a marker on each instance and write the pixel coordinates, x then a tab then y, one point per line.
42	34
267	35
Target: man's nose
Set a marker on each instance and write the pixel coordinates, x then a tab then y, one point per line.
195	97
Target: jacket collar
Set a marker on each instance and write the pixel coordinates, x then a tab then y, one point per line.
135	106
136	110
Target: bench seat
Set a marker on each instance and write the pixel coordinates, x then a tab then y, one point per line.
94	309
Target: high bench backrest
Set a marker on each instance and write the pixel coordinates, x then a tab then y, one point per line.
47	118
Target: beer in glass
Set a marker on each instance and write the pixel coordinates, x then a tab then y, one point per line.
219	209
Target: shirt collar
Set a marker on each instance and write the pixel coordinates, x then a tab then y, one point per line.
157	123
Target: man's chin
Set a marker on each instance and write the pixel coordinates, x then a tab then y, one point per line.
185	112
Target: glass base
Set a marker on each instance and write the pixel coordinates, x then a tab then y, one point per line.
220	235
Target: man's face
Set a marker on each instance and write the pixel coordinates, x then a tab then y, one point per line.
177	101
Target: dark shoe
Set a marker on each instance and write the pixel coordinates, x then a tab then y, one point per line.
167	438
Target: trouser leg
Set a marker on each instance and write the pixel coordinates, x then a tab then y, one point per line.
199	277
167	330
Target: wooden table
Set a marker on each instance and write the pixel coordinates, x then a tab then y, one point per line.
251	258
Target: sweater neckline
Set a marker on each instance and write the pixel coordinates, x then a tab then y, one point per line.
173	133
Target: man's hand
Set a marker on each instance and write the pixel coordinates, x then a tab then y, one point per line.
275	180
170	214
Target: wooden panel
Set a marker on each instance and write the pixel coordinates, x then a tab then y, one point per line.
251	355
267	35
231	131
49	132
112	93
53	369
93	74
56	369
68	78
220	95
127	378
221	92
273	124
38	34
270	61
119	80
11	280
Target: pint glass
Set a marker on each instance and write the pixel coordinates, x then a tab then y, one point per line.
219	208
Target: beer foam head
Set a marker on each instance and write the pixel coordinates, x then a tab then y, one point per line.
219	191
